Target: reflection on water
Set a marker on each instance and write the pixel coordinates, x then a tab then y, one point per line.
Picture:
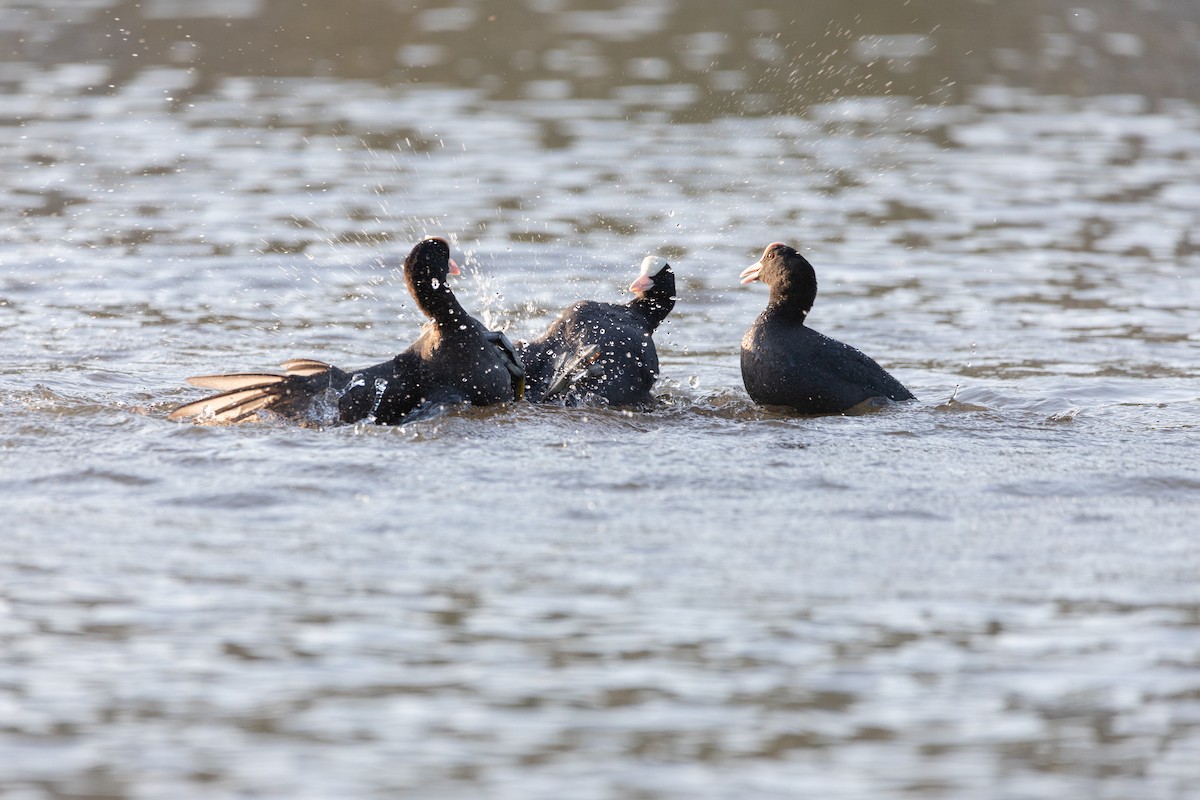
692	60
990	593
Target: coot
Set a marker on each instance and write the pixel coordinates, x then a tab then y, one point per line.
786	363
455	359
602	353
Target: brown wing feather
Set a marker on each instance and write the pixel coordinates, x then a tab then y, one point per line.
241	395
225	406
237	380
304	366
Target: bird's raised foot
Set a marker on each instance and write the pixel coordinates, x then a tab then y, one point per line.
511	359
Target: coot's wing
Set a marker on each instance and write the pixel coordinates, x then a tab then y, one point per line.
857	369
540	356
304	366
572	367
254	393
384	393
242	395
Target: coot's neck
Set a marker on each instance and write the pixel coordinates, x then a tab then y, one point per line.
793	293
437	301
790	307
657	302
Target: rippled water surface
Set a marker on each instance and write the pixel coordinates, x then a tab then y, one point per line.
989	593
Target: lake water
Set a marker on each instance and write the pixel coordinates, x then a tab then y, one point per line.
989	593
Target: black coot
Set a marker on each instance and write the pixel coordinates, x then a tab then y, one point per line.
455	359
602	353
785	363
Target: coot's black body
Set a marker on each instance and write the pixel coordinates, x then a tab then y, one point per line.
454	360
602	353
786	363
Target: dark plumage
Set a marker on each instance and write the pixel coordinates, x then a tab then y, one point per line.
602	353
786	363
455	359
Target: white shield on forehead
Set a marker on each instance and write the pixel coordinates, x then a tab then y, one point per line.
651	266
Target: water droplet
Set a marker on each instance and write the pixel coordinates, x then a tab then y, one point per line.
436	283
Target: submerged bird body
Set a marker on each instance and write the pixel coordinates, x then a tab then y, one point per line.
455	359
786	363
602	353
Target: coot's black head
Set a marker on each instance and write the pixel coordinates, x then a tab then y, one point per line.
427	270
431	259
792	280
654	288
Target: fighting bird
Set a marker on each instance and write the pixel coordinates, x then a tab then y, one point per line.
454	360
602	353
